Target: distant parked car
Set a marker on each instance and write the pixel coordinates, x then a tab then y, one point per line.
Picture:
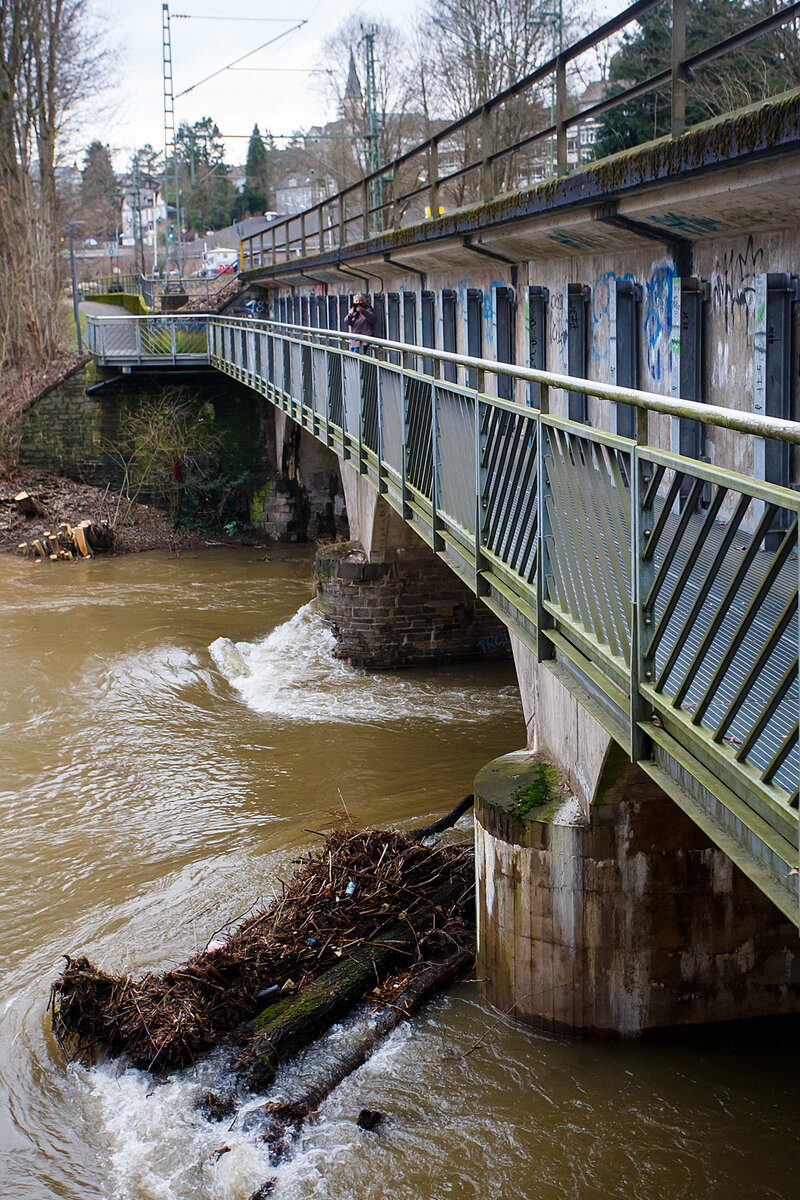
90	242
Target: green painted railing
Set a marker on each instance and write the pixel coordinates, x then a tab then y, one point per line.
662	590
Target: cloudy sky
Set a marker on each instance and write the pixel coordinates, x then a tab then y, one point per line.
283	94
283	97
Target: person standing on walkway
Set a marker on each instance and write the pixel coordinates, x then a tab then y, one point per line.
360	319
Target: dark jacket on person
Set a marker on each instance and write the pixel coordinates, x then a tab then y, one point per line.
363	321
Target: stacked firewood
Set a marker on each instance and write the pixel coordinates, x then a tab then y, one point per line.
63	541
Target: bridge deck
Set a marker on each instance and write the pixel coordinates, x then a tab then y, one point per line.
664	589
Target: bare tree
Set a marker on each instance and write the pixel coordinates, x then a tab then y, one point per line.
467	51
48	59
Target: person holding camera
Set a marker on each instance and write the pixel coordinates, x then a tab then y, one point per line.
360	319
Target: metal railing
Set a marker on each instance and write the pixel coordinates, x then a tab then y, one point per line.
151	290
668	587
664	590
500	136
148	341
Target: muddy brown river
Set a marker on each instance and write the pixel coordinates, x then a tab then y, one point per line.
172	730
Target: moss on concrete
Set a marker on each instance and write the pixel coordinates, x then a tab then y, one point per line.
759	129
501	790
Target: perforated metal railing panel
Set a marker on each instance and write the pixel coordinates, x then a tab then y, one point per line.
668	587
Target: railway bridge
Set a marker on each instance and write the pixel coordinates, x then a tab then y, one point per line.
576	429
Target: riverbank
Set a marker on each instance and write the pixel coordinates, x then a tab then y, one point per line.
137	527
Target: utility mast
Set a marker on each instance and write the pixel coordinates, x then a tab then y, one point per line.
172	223
373	154
138	235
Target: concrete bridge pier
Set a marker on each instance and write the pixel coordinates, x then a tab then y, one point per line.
606	910
389	600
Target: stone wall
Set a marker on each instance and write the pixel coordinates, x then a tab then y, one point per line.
404	612
71	431
621	920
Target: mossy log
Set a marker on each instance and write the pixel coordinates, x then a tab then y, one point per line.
279	1122
284	1028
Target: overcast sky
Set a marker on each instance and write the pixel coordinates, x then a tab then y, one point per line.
282	99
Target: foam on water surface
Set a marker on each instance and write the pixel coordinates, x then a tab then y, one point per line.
292	674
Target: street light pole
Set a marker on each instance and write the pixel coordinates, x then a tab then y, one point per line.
72	225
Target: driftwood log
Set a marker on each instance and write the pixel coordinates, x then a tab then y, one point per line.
286	1027
447	821
363	903
278	1122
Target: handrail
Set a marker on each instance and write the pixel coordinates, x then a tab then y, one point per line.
335	208
756	424
649	577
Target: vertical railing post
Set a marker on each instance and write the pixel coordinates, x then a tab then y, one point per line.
173	339
302	235
274	248
487	150
436	521
561	115
362	462
365	209
138	340
642	576
395	218
544	530
381	473
342	219
433	178
481	586
678	55
330	350
405	507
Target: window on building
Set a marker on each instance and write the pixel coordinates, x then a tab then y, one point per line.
537	336
628	297
428	328
504	315
577	307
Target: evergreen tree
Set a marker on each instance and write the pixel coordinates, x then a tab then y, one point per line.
764	67
99	192
257	176
207	194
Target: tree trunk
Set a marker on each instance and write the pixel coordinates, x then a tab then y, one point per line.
283	1029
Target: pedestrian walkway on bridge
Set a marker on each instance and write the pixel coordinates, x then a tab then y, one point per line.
664	589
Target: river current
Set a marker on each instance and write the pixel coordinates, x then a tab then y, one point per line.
173	731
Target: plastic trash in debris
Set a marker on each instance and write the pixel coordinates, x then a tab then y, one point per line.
350	889
268	991
214	944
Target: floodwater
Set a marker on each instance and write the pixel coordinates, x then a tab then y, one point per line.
173	730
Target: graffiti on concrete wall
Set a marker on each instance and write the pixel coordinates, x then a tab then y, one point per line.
657	320
601	304
733	284
558	330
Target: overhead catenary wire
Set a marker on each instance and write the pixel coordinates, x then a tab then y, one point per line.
203	17
236	61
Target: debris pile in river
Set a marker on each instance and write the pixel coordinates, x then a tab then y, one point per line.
353	911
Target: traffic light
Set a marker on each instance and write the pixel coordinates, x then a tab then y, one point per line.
171	232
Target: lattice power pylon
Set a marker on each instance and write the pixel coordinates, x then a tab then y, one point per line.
172	222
